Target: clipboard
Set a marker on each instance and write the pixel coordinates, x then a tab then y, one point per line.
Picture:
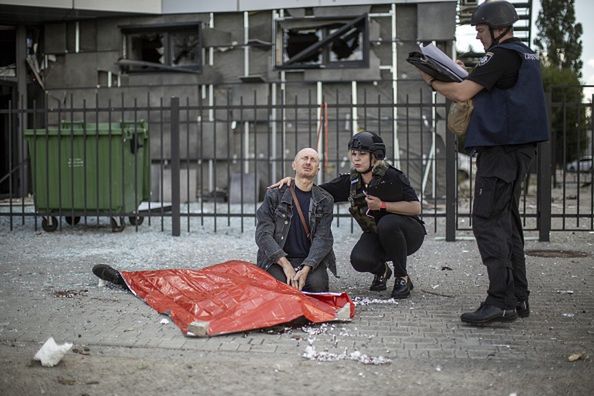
437	64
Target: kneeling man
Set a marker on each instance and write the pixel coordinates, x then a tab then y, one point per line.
293	234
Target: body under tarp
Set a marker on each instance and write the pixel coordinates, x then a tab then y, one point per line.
231	297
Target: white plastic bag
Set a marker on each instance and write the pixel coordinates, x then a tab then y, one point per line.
51	353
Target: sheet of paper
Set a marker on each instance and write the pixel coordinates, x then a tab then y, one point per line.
431	51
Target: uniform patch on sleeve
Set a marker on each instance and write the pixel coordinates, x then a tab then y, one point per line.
483	61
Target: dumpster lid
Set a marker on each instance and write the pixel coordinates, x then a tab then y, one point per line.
77	128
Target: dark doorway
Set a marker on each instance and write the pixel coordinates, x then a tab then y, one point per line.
7	94
8	140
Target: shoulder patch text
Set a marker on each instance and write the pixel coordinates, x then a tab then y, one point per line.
483	61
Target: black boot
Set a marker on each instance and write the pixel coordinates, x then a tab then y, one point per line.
523	308
109	274
379	281
487	313
402	287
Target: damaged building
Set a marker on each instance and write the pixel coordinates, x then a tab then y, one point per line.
256	81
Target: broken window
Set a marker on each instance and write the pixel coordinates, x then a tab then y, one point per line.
322	43
169	47
7	51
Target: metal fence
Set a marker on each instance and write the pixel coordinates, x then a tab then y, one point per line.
572	153
175	163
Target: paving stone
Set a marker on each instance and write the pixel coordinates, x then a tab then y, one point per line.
423	330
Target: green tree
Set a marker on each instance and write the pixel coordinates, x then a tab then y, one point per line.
560	44
569	124
559	37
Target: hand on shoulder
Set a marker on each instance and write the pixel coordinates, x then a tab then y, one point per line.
284	181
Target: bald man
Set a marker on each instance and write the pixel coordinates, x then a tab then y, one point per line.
292	252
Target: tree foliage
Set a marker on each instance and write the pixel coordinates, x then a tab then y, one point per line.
559	36
559	40
569	124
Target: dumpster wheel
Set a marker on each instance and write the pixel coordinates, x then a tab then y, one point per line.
136	220
72	220
117	226
49	224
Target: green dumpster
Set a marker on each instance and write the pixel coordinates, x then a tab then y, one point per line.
81	169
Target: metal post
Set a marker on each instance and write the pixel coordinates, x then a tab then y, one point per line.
21	74
273	154
320	126
451	186
246	47
544	192
211	63
395	141
354	112
545	167
246	148
175	176
76	37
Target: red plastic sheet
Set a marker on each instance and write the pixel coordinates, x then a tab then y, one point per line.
231	297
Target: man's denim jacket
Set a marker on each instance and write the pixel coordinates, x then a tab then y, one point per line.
274	219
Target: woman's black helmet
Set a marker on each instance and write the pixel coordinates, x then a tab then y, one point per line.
496	14
370	142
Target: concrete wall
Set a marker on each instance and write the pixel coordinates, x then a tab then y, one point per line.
149	6
77	79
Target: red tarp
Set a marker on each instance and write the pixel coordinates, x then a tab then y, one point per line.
230	297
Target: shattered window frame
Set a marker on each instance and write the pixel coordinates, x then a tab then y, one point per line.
185	36
322	39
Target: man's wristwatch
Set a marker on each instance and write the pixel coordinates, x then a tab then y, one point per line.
382	205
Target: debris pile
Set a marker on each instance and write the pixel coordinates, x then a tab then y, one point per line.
311	354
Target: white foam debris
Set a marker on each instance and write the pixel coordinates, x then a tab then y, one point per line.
51	353
324	328
344	333
311	354
366	301
329	329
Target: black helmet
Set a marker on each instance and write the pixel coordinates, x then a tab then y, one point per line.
368	141
496	14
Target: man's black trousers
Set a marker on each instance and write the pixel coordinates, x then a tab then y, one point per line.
497	225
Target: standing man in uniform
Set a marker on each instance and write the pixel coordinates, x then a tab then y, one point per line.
508	120
296	247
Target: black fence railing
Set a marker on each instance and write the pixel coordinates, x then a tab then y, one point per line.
179	163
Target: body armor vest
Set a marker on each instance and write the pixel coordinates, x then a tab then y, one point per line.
517	115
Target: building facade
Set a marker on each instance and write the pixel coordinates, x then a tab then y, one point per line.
257	80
